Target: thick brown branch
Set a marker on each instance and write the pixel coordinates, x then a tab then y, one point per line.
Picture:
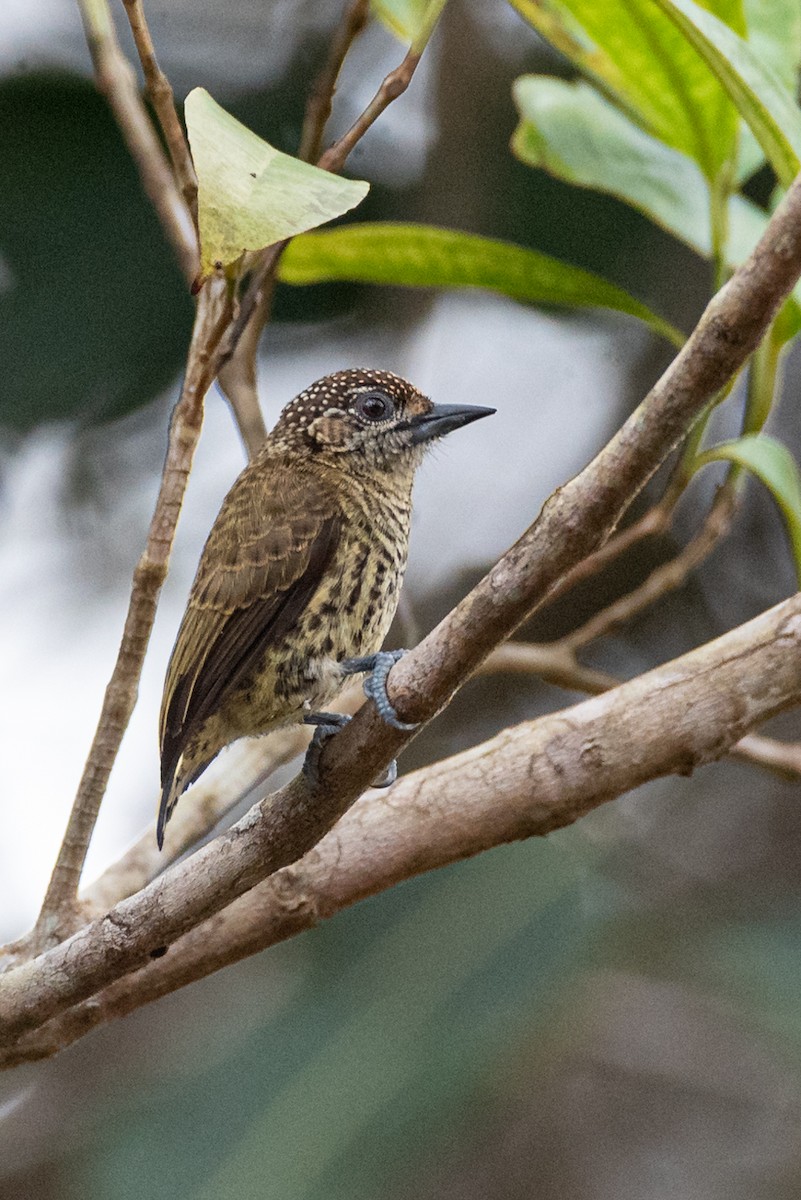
525	782
579	517
249	766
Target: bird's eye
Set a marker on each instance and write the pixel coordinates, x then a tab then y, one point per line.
375	406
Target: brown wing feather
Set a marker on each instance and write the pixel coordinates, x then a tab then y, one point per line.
262	563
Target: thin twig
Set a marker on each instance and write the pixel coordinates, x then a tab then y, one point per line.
393	86
318	107
238	376
116	80
551	662
663	579
59	910
782	757
652	523
160	93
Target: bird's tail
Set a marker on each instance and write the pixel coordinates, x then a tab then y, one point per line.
174	785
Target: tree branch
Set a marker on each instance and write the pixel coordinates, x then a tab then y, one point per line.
161	96
318	107
393	86
525	782
60	913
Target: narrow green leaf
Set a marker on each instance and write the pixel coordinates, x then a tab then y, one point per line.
250	195
636	56
424	256
758	92
774	465
411	21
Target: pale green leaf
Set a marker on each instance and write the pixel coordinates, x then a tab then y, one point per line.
774	34
757	90
424	256
639	59
570	131
412	21
250	195
774	465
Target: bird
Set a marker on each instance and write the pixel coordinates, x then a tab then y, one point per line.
300	575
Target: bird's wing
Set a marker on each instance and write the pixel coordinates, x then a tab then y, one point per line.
262	563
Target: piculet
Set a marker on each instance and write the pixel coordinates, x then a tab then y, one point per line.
300	576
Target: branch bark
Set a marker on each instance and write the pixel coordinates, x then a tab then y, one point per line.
525	782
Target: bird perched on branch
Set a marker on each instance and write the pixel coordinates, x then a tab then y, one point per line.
300	576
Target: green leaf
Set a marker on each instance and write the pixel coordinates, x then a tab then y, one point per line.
572	132
250	195
636	56
758	92
424	256
576	135
774	33
774	465
412	21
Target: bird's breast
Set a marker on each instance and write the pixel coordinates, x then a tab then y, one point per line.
351	611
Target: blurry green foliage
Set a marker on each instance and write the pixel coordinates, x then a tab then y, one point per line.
772	463
406	1004
410	20
94	316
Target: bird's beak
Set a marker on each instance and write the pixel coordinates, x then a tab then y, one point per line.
444	418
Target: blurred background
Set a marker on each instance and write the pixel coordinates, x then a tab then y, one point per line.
611	1014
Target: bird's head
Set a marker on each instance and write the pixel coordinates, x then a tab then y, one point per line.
366	420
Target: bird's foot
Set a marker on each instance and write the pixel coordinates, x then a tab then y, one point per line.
327	725
375	685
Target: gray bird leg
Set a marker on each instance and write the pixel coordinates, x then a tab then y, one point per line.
375	685
327	725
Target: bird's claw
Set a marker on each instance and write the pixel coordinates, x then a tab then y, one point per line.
375	685
327	725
